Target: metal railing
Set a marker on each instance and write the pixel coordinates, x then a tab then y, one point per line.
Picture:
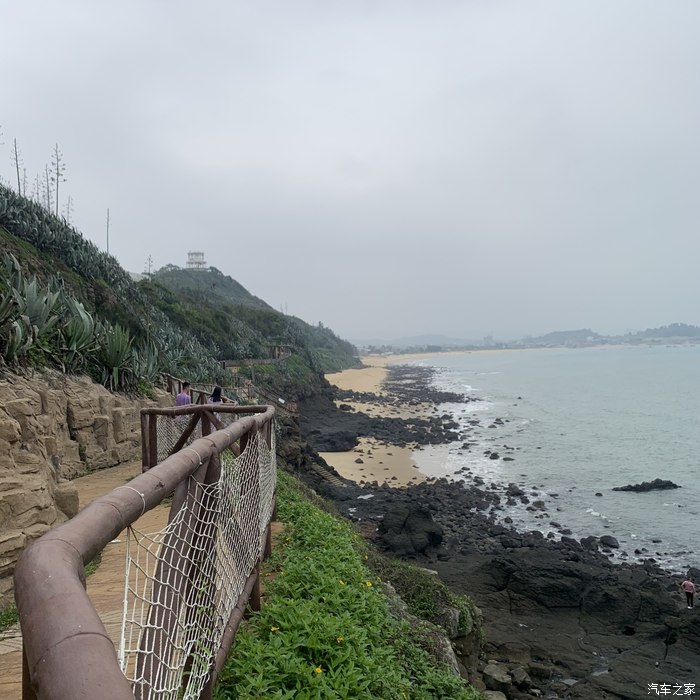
67	652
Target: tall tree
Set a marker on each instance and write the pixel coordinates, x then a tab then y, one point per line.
47	189
148	269
68	209
58	170
36	190
17	161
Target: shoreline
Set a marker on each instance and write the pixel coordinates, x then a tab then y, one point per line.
594	626
545	515
385	463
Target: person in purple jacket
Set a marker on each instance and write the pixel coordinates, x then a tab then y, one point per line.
184	398
688	586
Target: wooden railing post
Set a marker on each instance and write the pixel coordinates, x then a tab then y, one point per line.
144	441
152	440
27	689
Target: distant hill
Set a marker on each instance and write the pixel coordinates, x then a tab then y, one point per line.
672	331
430	340
222	314
584	336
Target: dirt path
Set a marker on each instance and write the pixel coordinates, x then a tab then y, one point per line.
105	587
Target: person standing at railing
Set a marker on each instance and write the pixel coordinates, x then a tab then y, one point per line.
215	396
184	398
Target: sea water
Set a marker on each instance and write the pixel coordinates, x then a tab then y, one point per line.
576	423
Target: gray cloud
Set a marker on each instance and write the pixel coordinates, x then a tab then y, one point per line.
388	168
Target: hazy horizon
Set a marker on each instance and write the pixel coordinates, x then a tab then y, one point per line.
388	168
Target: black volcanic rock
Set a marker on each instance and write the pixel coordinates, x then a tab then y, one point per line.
409	529
648	486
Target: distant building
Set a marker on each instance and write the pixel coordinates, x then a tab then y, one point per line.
196	261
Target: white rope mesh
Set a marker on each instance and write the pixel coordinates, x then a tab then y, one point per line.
183	582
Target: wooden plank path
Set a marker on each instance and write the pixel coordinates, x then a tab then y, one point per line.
105	587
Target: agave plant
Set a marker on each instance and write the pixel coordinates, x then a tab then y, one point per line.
113	355
42	307
15	329
19	339
77	336
11	271
145	363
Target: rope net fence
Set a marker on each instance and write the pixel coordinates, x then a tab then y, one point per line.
171	428
183	582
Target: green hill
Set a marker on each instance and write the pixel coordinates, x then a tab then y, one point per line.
65	303
210	283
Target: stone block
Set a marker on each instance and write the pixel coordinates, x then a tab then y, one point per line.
79	417
448	618
10	429
119	424
6	451
106	403
100	429
19	408
27	462
51	445
11	545
6	597
46	515
11	541
23	500
23	411
66	496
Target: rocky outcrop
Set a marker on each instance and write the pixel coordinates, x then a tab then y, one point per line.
52	428
409	529
656	484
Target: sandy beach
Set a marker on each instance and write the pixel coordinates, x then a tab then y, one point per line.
371	460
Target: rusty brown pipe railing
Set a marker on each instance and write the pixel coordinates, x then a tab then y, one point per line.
67	653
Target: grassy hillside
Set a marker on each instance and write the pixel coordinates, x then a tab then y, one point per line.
237	325
210	283
329	627
181	322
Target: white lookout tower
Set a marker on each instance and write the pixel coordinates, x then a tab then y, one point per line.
196	261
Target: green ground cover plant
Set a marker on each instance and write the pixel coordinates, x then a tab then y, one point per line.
325	630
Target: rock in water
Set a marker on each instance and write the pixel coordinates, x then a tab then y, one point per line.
648	486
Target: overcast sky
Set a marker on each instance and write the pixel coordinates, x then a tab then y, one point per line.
390	168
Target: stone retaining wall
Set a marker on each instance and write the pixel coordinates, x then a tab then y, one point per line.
53	428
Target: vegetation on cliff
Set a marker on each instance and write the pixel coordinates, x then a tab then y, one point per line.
65	303
326	628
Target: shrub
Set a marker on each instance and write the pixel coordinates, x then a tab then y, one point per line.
325	630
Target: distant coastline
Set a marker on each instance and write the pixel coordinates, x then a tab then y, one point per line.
673	334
